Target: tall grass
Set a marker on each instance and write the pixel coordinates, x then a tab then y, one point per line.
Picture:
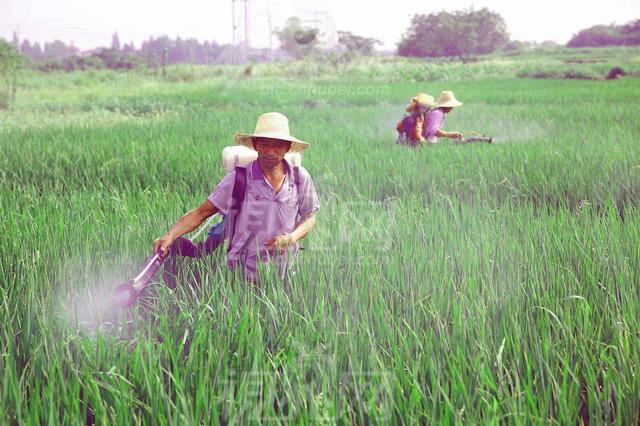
475	284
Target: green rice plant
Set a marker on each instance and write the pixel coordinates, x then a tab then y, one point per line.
456	284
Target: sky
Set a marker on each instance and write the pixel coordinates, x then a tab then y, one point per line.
91	23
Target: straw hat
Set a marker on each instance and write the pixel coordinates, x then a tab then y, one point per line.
447	100
422	99
272	125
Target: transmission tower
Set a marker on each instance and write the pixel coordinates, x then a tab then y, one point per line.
240	25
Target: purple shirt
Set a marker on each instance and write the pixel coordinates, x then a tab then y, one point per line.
265	214
435	119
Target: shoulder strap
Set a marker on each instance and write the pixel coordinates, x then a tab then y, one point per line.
237	194
296	178
239	188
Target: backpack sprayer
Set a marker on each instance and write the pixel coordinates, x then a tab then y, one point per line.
127	293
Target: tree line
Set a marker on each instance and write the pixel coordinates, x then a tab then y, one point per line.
608	35
478	32
459	33
154	52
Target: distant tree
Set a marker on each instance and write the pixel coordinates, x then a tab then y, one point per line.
33	52
608	35
547	44
25	47
10	64
58	50
296	39
128	49
152	50
114	60
514	46
632	27
460	33
115	42
356	44
36	51
598	35
179	51
209	52
57	56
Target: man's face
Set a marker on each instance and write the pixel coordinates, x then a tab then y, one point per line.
422	109
447	109
271	151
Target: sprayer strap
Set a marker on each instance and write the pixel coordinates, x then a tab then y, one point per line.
296	179
237	194
239	188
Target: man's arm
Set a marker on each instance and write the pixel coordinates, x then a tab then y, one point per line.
187	223
280	243
452	135
304	227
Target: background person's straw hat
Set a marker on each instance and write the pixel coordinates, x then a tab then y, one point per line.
422	99
447	100
272	125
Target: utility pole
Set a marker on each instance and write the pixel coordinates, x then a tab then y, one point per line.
233	31
16	39
246	30
270	34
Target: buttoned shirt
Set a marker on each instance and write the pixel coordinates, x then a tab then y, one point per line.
264	214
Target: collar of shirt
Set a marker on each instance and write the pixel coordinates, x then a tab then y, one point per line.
258	174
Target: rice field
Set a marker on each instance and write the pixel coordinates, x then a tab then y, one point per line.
474	284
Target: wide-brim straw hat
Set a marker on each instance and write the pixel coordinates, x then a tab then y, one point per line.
422	99
447	100
272	125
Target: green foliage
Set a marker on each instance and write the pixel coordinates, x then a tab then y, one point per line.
538	62
532	62
455	285
466	32
58	56
608	35
357	45
296	39
180	51
58	50
102	58
10	59
10	63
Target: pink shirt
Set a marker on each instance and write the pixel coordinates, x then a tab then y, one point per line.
435	119
265	214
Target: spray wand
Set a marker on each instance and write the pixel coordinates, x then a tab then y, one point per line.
477	137
127	293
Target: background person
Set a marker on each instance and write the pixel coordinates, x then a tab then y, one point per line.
411	127
435	120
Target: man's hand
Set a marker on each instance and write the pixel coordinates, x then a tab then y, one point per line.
455	135
163	243
187	223
280	244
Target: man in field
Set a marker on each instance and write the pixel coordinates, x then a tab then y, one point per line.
433	127
278	207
